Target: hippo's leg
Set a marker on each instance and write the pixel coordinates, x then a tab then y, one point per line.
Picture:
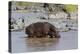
53	34
30	36
50	34
57	36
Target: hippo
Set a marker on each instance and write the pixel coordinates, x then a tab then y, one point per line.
42	29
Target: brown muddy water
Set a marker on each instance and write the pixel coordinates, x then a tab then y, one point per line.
20	44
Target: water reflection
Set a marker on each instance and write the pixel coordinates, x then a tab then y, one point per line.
40	44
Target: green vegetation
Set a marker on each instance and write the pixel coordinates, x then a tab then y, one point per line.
24	3
71	8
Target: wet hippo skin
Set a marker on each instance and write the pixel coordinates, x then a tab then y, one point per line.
42	29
